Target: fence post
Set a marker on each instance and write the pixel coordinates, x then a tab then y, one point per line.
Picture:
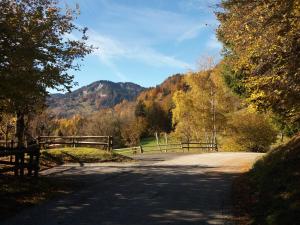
166	141
110	143
73	141
37	161
30	163
16	169
22	162
141	149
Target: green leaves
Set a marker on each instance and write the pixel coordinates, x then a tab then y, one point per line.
35	53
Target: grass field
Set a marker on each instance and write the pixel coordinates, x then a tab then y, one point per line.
149	145
150	141
81	155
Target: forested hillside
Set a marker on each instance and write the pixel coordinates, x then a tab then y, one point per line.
93	97
128	121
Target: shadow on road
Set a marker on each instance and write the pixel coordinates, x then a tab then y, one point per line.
137	196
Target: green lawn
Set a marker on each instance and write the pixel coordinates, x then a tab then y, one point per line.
60	156
150	141
149	145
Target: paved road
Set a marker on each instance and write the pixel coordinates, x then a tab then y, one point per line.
156	189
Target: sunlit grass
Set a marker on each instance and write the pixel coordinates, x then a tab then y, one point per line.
78	155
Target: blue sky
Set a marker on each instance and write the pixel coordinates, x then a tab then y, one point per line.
145	41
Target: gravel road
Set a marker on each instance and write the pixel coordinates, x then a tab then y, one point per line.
155	189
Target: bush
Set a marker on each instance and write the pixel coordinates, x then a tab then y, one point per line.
249	132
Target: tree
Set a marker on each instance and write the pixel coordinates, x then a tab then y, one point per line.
262	48
7	126
36	54
201	112
71	126
105	123
43	124
157	118
140	109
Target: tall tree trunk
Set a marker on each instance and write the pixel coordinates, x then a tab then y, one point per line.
213	112
20	129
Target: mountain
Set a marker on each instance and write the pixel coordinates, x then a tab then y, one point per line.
93	97
163	93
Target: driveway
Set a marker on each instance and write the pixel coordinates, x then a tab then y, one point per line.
155	189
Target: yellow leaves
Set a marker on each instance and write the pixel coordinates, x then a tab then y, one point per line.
69	126
261	36
252	108
195	108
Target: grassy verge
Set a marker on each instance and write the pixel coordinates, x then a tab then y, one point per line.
59	156
269	194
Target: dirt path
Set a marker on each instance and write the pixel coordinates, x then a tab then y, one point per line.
157	189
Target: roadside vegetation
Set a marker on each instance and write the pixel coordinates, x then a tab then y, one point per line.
261	55
269	194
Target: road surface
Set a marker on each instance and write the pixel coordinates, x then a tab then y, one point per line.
155	189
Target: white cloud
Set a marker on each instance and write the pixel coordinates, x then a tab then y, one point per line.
115	69
191	33
213	43
109	50
145	24
199	5
136	32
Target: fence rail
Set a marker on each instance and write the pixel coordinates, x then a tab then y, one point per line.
8	143
14	159
182	146
52	141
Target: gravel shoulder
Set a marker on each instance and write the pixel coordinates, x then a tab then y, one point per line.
154	189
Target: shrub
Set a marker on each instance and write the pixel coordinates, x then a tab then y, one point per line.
249	132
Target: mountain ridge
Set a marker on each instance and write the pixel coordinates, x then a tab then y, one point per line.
92	97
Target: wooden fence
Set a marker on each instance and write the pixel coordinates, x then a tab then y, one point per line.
18	159
14	159
106	142
8	143
170	147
